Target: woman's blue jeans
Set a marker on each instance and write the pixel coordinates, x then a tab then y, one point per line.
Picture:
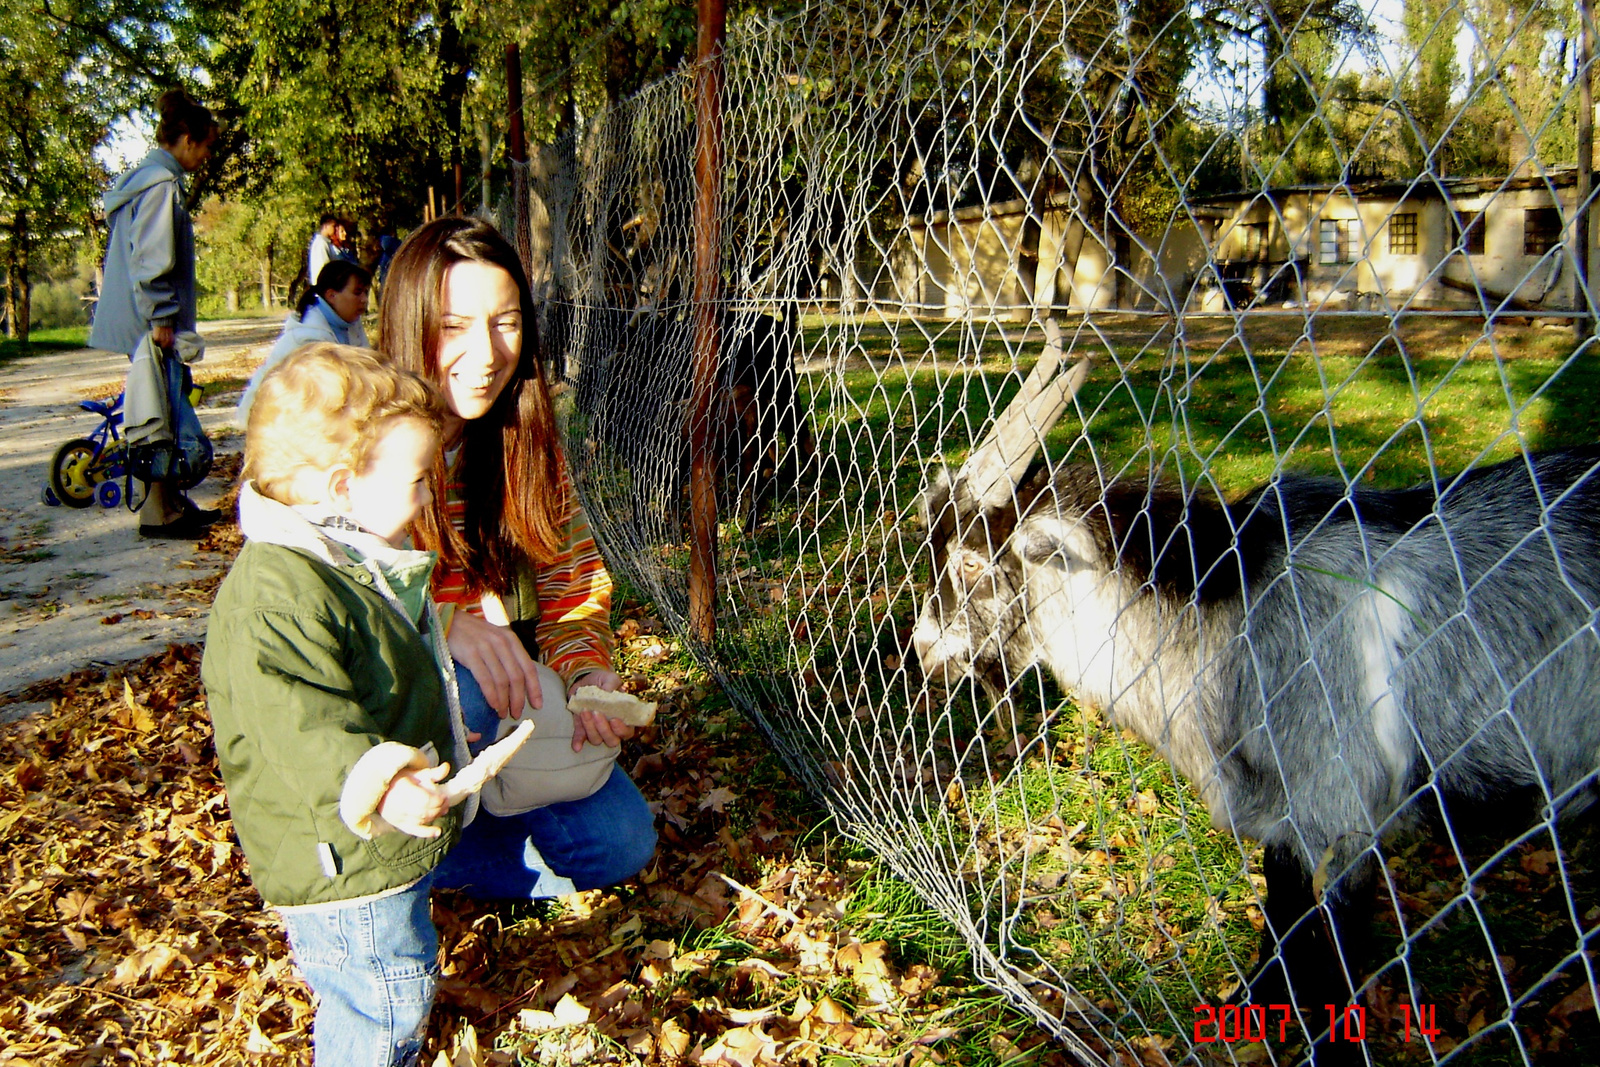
598	841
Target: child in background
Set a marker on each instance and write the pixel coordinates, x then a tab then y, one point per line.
334	724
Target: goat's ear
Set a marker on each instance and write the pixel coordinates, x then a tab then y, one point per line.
1041	539
935	494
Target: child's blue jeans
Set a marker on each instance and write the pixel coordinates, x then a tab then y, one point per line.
598	841
374	967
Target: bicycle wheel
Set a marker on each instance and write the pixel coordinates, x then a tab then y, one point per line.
69	473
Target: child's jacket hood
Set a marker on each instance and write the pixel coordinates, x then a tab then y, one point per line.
338	543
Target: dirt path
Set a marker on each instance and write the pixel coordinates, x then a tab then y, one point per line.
65	573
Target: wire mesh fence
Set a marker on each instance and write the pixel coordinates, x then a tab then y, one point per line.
1234	697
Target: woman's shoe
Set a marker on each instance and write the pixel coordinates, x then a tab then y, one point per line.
203	516
189	526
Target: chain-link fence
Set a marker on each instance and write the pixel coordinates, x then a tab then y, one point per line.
1204	694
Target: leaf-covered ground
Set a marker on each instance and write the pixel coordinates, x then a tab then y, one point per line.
132	934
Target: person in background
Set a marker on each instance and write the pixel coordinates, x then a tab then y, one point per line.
388	245
505	520
149	280
345	236
322	248
330	311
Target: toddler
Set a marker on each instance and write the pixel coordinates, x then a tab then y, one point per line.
334	724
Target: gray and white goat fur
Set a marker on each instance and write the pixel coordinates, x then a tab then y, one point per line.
1322	662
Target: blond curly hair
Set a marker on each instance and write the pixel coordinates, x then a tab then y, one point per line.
327	405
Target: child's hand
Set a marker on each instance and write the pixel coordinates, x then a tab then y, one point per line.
413	800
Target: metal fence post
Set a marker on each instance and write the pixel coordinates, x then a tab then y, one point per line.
1583	321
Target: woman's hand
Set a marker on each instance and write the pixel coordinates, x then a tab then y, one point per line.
162	336
592	727
498	661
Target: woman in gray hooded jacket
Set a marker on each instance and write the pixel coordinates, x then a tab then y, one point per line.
149	283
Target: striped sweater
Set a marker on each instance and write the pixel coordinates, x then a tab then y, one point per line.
574	592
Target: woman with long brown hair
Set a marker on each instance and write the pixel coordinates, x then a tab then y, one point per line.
519	577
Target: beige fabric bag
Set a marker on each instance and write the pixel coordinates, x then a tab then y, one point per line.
544	770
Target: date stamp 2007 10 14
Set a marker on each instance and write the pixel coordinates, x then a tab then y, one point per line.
1251	1022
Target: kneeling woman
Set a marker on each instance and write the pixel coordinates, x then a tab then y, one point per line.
330	311
514	544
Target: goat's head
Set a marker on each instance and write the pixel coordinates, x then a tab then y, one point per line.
973	618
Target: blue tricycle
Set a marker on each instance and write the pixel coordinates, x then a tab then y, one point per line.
90	470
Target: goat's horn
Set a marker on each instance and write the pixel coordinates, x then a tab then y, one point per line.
999	462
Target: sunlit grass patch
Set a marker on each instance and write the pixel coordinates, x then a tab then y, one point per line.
57	339
1120	884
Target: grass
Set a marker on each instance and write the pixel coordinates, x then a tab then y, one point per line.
1070	852
62	338
253	311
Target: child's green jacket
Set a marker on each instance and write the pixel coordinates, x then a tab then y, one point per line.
320	691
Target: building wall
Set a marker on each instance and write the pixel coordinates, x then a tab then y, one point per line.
981	260
1378	277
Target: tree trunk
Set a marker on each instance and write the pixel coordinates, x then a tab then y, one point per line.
266	278
453	87
23	313
1121	282
484	162
1086	203
10	303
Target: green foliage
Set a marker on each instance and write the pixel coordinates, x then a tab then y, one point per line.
576	57
341	105
57	304
248	248
59	339
52	119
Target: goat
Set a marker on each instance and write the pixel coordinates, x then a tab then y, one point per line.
1319	661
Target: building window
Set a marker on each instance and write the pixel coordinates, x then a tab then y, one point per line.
1403	234
1339	241
1469	231
1541	230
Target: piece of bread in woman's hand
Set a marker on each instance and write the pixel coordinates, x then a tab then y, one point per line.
625	706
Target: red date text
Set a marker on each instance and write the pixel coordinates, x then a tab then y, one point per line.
1254	1022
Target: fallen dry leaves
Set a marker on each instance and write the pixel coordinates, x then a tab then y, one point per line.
132	933
129	926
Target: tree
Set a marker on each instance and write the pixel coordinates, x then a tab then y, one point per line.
1428	79
48	130
341	105
242	245
137	49
578	58
1514	108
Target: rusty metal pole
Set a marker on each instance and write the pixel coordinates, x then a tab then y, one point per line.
1583	323
517	149
706	410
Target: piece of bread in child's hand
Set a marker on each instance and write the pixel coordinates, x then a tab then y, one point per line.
625	706
475	775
